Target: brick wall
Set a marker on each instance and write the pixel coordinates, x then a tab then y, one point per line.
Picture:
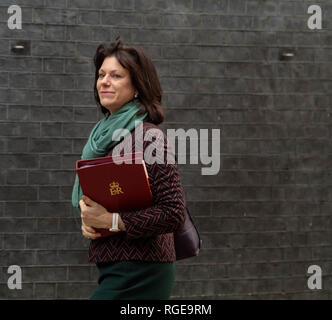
264	219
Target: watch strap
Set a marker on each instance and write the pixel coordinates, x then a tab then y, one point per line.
115	222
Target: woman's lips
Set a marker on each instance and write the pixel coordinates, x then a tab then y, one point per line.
106	93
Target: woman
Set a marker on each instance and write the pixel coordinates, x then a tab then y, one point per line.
137	262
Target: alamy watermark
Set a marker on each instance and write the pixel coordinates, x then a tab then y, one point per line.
315	280
15	280
315	21
161	147
15	20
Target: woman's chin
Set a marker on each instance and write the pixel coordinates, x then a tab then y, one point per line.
107	102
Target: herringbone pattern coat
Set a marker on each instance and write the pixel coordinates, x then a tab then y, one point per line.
149	232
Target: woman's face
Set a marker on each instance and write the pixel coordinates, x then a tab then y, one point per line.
114	85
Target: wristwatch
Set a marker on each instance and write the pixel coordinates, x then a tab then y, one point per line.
115	222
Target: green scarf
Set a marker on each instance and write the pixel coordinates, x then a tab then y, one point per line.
100	139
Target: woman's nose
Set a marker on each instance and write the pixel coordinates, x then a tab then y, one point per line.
106	80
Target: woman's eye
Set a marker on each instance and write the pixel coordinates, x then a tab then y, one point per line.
102	75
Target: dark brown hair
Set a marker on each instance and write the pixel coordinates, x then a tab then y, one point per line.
142	73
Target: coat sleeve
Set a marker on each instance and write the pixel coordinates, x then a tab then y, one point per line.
166	214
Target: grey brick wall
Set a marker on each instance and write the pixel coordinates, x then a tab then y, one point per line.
264	219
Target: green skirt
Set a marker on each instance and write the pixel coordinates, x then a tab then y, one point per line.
135	280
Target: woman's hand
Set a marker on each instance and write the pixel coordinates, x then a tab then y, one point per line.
94	215
89	232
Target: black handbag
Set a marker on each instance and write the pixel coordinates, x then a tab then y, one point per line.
187	241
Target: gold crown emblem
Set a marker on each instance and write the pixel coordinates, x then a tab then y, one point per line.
115	188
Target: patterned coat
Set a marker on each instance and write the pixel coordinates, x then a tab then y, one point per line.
149	232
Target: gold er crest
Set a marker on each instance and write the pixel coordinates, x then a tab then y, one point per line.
115	188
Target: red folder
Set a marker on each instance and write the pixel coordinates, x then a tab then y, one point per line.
118	183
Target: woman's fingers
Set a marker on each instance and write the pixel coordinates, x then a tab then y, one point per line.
91	236
82	205
89	202
89	229
89	232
